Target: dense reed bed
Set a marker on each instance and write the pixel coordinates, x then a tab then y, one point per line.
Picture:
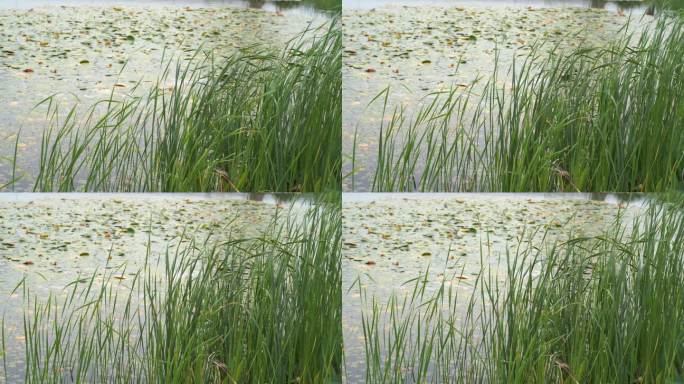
604	118
327	5
258	310
243	123
667	6
607	309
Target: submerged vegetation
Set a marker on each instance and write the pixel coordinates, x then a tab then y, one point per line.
603	118
244	123
257	310
606	309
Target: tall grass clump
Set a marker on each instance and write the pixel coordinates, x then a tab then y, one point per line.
603	310
257	120
333	6
605	118
427	153
415	338
258	310
607	309
666	7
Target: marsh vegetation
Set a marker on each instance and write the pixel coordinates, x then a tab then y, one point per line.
248	309
603	308
235	115
592	119
243	123
559	115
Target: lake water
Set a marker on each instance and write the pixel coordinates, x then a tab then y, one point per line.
307	7
599	4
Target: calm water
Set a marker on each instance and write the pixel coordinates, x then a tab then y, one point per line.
611	198
610	5
309	7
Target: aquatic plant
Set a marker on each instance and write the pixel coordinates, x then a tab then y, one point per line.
599	310
250	310
243	123
603	118
602	309
666	7
12	178
327	5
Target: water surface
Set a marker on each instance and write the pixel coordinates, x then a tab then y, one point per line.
307	7
635	5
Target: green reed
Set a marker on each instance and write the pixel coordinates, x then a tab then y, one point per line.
667	7
606	309
593	119
248	310
242	123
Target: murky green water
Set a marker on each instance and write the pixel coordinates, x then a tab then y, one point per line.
389	239
49	240
417	50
